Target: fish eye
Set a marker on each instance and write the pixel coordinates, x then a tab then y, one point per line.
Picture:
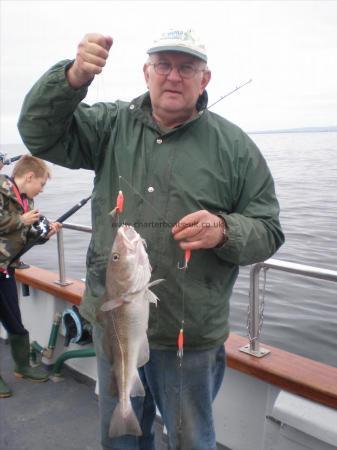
115	257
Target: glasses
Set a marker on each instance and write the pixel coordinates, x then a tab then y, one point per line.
185	70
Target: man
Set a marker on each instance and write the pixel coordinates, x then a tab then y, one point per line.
177	163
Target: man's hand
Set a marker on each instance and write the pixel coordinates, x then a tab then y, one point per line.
30	217
92	53
199	230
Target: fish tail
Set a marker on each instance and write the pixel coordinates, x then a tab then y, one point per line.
124	422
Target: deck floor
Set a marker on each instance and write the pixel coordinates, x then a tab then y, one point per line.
47	416
52	415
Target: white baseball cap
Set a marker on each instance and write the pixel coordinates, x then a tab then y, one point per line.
185	41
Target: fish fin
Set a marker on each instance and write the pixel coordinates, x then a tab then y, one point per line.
112	304
151	297
124	422
137	388
155	282
144	353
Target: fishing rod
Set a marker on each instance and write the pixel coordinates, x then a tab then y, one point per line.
42	228
231	92
6	161
72	210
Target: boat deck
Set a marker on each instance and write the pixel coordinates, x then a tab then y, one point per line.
52	415
48	416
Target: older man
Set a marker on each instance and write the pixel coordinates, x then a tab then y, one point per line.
177	163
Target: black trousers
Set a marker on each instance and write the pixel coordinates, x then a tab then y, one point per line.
10	314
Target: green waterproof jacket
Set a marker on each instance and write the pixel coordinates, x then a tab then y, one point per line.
207	163
13	233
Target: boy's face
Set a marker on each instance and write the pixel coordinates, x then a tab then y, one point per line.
34	184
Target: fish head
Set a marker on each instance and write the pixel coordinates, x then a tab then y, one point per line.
129	269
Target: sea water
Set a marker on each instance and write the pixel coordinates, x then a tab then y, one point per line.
300	313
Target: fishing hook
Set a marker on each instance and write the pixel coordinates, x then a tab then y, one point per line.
186	260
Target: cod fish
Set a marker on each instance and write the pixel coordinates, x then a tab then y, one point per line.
125	313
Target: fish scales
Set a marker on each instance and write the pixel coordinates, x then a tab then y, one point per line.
125	313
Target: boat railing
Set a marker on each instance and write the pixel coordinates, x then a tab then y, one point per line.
256	300
60	249
256	304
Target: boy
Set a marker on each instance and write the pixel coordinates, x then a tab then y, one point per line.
17	214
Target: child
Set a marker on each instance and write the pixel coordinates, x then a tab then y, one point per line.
17	214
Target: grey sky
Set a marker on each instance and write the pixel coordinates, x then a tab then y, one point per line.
288	48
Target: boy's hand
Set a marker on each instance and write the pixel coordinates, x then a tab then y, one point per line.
30	217
54	228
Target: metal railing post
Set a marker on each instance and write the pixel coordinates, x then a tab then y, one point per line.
61	262
254	312
254	307
254	316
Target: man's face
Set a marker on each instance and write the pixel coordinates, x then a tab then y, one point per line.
172	93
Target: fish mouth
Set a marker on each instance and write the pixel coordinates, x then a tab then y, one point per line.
130	236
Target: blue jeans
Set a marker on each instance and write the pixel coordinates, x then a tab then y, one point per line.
183	396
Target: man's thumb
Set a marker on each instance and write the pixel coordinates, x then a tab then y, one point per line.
108	42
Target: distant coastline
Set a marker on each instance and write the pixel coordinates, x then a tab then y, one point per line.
297	130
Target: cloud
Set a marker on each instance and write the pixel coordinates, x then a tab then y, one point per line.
288	48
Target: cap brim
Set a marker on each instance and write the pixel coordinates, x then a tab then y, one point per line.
177	48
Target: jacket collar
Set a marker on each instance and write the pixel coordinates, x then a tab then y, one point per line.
7	188
142	108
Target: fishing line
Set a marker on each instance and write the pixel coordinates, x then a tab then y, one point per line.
144	200
100	91
180	352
